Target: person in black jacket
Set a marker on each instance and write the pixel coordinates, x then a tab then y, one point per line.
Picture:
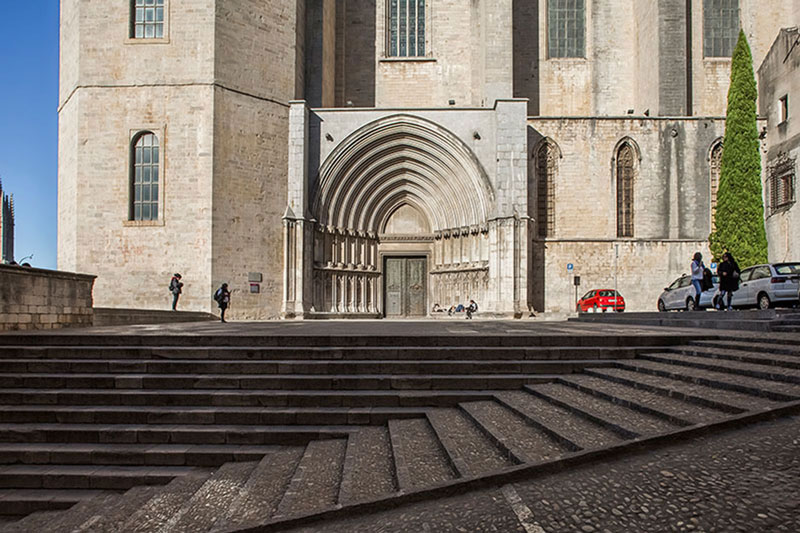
728	272
223	298
176	288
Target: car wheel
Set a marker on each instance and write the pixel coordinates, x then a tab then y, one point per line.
690	305
661	306
764	301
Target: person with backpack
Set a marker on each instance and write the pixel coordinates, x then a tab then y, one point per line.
176	288
223	298
697	277
729	273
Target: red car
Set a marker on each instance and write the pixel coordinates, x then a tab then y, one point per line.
601	299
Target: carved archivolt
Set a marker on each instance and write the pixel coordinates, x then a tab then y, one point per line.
399	160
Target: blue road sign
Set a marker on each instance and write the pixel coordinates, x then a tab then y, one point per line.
570	266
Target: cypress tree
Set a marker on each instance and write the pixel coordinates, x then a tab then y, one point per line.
740	208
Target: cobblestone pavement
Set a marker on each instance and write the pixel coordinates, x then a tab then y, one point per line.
742	480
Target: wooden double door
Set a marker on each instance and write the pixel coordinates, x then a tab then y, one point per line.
406	286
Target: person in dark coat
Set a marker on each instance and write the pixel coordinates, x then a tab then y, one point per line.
176	288
223	298
728	272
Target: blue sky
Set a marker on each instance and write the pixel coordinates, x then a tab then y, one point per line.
29	124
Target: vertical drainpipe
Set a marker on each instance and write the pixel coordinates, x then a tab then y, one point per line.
689	85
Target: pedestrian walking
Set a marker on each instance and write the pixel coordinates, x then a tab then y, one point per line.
728	272
223	298
176	288
697	277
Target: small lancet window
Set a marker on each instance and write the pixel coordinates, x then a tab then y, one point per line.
625	176
144	179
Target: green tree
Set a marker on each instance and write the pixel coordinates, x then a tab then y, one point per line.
739	218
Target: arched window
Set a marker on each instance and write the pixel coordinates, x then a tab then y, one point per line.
714	163
147	19
626	160
720	27
144	177
546	168
406	28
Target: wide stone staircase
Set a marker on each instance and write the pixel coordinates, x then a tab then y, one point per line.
160	433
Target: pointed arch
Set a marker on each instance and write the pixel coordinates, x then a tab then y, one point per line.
396	159
546	156
714	167
627	158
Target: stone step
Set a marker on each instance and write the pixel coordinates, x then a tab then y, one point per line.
768	372
69	520
419	458
673	410
158	510
275	382
368	471
242	398
470	451
773	390
152	368
168	434
522	441
111	518
214	497
555	420
130	454
750	346
723	400
408	339
742	355
21	502
626	422
116	478
260	495
315	483
156	415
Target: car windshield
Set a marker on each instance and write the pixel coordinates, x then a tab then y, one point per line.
787	268
607	293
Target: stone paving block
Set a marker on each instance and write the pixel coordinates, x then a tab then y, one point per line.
315	483
470	451
213	498
259	497
612	415
368	470
674	410
419	458
525	443
577	430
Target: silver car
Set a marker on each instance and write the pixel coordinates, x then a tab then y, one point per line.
763	286
680	295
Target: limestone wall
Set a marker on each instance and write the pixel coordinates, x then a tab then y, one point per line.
32	298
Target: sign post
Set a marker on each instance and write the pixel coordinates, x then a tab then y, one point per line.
570	268
576	280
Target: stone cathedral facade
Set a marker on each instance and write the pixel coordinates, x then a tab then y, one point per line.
355	158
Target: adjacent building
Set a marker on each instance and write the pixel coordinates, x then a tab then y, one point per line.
6	227
358	158
779	85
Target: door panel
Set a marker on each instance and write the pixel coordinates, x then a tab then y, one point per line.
406	286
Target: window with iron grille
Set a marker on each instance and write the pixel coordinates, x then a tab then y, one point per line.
406	28
625	175
144	177
147	19
546	168
715	163
781	179
720	27
566	28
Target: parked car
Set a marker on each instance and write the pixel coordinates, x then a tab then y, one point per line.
763	286
601	300
680	295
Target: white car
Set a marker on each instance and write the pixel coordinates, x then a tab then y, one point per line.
680	295
763	286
